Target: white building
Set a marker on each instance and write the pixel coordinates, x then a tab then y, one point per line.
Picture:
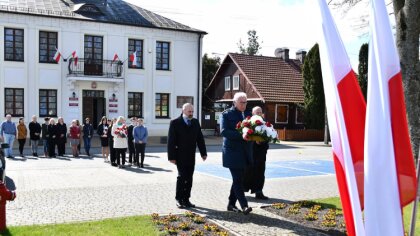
168	57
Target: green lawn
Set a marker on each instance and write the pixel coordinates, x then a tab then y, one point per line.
137	225
335	202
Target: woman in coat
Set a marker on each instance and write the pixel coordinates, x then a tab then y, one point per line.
61	136
22	133
103	134
119	131
52	136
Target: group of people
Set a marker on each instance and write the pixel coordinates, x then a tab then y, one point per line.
115	135
242	157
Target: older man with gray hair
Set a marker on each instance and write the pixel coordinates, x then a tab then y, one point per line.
8	134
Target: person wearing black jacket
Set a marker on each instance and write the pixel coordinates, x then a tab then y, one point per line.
52	137
103	134
61	136
45	135
112	153
130	140
183	138
34	134
254	175
87	135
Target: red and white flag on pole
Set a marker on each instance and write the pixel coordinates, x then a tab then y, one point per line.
57	56
346	109
133	59
75	57
390	179
115	57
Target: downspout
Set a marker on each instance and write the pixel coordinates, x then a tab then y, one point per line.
199	76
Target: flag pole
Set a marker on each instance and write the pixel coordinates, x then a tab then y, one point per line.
414	212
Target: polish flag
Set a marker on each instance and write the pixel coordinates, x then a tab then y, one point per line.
390	179
75	57
57	56
346	109
133	58
115	57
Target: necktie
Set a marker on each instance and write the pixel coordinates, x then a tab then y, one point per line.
189	122
243	115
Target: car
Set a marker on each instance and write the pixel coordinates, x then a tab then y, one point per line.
3	162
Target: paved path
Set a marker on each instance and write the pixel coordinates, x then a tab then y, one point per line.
68	190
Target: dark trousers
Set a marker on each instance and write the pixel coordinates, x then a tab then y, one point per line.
21	145
112	153
237	190
61	147
86	144
140	147
131	151
120	154
254	177
51	147
184	182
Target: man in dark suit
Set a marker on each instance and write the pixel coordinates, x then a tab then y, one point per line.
183	138
254	175
237	152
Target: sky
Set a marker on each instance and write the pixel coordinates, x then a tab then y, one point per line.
279	23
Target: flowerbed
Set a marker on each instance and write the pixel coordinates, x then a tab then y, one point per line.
188	223
313	215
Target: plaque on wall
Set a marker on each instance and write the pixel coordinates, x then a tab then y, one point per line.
181	100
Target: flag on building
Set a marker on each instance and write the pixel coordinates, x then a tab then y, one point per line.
75	57
390	179
57	56
115	58
133	59
346	110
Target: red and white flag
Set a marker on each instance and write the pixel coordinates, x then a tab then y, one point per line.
115	58
133	59
346	109
390	179
57	56
75	57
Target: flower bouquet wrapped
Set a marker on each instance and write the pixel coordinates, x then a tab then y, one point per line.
121	132
256	129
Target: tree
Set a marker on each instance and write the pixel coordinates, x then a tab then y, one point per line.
210	66
407	19
314	103
253	45
363	68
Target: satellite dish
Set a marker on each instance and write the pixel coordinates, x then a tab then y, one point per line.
278	52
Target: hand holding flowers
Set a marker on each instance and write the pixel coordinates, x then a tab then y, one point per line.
121	132
256	129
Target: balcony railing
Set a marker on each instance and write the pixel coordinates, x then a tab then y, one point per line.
91	67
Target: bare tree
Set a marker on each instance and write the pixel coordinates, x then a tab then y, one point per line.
407	18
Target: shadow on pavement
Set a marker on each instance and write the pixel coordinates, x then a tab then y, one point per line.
260	220
269	201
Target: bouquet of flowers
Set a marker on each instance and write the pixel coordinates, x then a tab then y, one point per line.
256	129
121	131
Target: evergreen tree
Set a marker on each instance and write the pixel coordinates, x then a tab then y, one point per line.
314	104
363	68
210	66
253	45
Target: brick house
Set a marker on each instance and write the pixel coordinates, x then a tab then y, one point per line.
274	83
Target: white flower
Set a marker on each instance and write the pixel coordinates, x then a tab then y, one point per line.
258	129
255	118
245	130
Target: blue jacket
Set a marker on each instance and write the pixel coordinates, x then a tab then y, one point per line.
140	134
237	153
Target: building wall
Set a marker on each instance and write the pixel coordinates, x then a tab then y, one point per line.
180	80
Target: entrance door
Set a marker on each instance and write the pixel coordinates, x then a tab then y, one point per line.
93	106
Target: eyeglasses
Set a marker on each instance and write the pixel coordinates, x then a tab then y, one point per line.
243	102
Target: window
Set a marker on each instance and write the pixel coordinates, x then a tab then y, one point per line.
47	102
227	83
162	55
94	48
13	44
47	46
282	113
135	45
162	105
299	114
13	99
235	85
135	105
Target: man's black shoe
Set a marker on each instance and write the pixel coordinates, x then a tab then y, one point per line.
246	210
233	208
180	204
187	203
261	196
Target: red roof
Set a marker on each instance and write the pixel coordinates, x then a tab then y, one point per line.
277	80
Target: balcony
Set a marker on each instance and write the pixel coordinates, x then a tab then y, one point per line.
95	68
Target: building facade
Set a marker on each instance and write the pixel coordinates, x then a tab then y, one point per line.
102	80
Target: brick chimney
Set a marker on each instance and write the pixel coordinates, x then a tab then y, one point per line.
282	53
300	55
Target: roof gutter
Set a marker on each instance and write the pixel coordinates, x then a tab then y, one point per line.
199	75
